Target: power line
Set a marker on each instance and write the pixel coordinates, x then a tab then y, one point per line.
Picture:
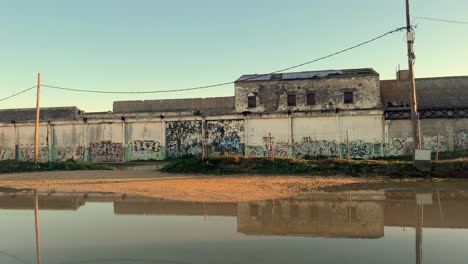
16	94
442	20
230	82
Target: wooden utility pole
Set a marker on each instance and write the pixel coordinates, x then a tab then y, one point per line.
38	112
412	82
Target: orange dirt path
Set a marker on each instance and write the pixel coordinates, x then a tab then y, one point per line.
208	188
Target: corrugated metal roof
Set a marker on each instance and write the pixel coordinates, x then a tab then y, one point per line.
309	74
305	75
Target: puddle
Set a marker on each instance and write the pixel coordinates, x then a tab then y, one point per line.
354	226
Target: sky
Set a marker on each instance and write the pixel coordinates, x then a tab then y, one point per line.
141	45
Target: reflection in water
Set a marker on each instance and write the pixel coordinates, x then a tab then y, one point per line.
360	214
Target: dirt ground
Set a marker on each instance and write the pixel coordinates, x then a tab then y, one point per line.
155	184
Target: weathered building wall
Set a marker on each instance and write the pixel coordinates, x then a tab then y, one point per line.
106	141
145	141
25	144
7	142
453	135
69	142
329	94
268	137
328	136
224	137
183	138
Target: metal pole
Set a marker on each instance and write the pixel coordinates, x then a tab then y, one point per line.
36	130
36	220
412	82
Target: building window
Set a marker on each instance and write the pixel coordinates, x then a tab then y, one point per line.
311	99
348	97
252	101
291	100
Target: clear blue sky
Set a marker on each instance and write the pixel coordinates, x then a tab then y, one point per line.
152	44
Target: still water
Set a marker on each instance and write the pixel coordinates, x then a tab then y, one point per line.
356	226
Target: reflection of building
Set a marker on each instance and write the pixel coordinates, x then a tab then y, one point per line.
49	202
303	217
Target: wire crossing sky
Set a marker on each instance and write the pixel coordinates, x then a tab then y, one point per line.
143	45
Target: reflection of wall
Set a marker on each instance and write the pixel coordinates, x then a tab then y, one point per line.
311	218
69	202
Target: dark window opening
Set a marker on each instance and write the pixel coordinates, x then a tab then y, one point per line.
254	210
348	97
291	100
310	99
252	101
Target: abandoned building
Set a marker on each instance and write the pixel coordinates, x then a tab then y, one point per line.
313	113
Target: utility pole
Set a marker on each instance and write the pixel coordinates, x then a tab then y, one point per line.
38	112
412	82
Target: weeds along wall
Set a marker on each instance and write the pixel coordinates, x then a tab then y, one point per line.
365	134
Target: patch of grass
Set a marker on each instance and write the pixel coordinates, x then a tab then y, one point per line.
11	166
330	166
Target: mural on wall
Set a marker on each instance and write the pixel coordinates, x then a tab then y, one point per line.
26	152
400	146
315	148
183	138
225	137
106	151
7	153
144	150
64	153
460	140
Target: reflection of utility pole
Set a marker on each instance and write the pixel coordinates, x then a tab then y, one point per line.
412	82
36	219
419	232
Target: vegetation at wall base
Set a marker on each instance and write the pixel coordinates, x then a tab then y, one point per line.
11	166
325	167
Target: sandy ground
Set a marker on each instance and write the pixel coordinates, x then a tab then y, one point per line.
171	186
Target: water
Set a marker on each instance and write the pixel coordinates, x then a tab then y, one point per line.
353	226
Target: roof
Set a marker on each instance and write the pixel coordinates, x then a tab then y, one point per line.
47	114
306	75
442	92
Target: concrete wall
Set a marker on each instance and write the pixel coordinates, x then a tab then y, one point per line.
453	135
256	135
272	95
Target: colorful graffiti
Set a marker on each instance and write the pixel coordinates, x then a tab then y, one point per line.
360	150
183	138
460	140
7	153
106	151
64	153
315	148
144	150
224	137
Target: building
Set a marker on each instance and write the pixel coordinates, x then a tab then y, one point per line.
313	113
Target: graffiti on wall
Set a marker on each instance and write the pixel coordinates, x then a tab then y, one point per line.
400	146
359	149
315	148
106	151
183	138
224	137
431	143
145	150
269	148
460	140
64	153
7	153
26	152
